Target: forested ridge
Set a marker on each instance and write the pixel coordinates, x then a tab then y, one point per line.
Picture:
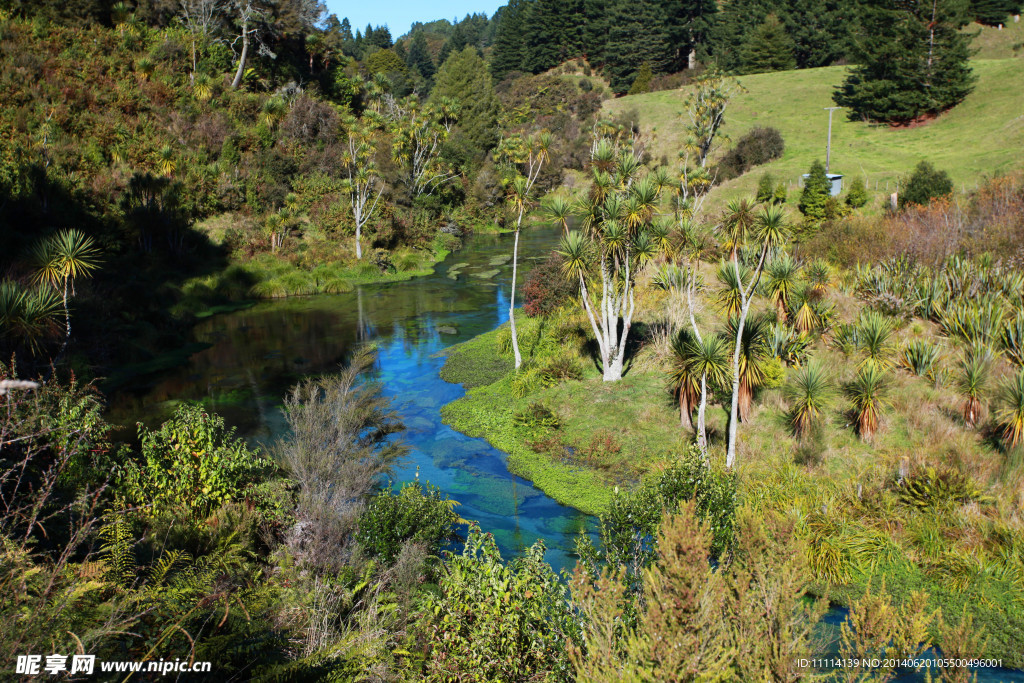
774	402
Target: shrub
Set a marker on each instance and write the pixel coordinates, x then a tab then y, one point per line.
546	288
932	488
536	416
758	146
765	188
193	463
417	513
924	184
561	368
857	195
642	81
817	191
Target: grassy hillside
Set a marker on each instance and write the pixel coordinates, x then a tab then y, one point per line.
981	136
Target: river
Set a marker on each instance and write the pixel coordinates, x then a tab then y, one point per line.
254	355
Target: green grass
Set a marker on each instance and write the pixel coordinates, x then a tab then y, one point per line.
981	136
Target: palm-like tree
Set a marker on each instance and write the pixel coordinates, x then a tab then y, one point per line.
558	209
819	277
802	303
740	217
165	160
973	380
783	274
1011	412
875	336
63	258
708	359
685	385
27	316
808	392
868	395
731	296
1011	339
754	356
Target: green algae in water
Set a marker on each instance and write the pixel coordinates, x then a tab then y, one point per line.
499	260
486	274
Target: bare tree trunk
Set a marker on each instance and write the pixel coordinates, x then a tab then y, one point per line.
746	296
245	49
512	295
702	434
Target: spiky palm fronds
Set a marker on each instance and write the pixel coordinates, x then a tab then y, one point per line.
274	110
803	310
684	384
558	209
975	320
846	338
1011	339
782	278
740	216
575	250
819	277
808	391
1011	411
920	357
709	357
670	277
754	355
875	334
786	345
772	227
730	297
974	375
27	316
202	89
867	393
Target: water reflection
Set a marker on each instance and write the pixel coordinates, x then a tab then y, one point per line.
255	355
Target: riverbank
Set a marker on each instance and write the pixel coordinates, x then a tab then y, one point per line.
577	438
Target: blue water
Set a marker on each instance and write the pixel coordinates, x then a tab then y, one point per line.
255	355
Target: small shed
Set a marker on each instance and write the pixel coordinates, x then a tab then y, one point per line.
835	178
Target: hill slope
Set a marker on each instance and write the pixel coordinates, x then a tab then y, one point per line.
983	135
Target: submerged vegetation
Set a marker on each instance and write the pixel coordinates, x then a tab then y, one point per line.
772	403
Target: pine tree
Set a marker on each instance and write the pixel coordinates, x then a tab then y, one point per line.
594	34
820	30
769	48
913	62
642	82
857	195
507	55
688	27
732	28
346	29
765	188
993	12
924	184
636	35
418	59
817	190
464	77
552	33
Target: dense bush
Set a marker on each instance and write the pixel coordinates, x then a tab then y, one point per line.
546	288
924	184
758	146
192	463
416	514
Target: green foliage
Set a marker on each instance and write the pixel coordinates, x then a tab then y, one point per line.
932	488
192	463
912	62
765	188
817	190
857	194
536	417
642	81
921	358
464	79
769	48
923	185
417	514
809	392
491	620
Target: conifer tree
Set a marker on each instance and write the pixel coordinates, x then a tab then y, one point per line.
507	55
463	77
769	48
594	34
418	59
552	33
817	190
688	27
912	61
642	82
636	35
732	27
820	30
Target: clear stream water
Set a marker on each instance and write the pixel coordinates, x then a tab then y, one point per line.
254	355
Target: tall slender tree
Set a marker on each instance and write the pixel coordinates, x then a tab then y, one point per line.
507	55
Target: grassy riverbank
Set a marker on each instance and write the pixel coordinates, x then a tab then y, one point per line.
577	438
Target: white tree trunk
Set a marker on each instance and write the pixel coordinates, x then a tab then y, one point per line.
245	53
512	296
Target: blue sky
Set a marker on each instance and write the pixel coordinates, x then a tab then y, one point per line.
399	14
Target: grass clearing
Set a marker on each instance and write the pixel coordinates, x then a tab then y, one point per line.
981	136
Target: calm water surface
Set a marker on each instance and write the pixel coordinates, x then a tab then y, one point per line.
255	355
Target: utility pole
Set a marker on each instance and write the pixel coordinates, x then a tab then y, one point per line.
828	147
